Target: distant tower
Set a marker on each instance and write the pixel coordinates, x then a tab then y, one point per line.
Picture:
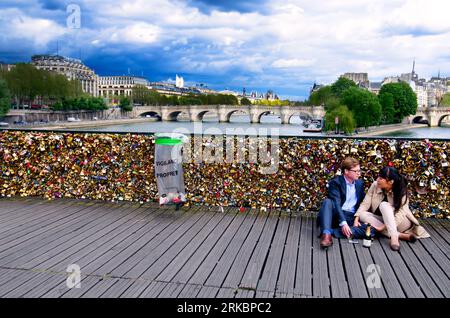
243	92
179	81
414	76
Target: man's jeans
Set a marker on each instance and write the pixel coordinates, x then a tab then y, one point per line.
328	219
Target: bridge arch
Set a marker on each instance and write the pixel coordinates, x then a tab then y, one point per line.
230	113
151	113
265	113
173	115
420	119
199	116
303	115
441	119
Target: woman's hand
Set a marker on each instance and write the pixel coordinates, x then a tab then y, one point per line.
356	222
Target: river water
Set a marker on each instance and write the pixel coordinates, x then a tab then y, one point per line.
240	125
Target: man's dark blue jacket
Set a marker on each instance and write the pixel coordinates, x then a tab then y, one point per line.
337	189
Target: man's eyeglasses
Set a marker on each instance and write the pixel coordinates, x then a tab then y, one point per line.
356	171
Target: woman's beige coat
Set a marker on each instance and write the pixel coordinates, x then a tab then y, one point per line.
373	199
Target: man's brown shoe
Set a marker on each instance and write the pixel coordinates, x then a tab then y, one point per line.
326	240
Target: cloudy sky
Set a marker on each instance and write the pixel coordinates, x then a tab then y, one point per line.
283	45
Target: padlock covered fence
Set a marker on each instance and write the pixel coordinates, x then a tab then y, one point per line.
289	173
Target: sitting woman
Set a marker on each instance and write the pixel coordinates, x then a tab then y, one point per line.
386	208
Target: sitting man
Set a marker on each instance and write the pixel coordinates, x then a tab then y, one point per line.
345	194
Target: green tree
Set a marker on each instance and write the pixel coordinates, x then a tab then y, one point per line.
341	85
5	98
332	103
245	101
125	104
321	96
387	107
364	105
445	100
405	100
346	120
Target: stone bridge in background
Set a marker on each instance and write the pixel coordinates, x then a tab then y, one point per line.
224	112
433	116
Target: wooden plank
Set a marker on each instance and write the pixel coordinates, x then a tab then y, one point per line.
172	290
169	263
338	280
433	250
445	223
98	250
118	288
130	246
233	273
237	232
284	295
434	270
321	282
162	243
14	236
269	273
208	292
30	216
242	293
440	242
142	257
75	243
304	279
87	283
51	283
286	281
261	253
356	281
30	243
136	289
5	273
15	280
190	291
409	286
367	264
441	229
42	224
70	243
11	275
16	209
22	287
226	293
265	294
389	280
427	286
186	270
95	243
153	290
100	288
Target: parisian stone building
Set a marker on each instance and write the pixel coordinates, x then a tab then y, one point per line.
71	68
119	85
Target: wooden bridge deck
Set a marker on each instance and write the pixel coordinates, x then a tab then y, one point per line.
132	250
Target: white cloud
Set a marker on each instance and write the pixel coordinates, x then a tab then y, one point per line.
16	25
288	63
322	39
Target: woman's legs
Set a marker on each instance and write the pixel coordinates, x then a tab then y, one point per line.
374	220
387	211
404	224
